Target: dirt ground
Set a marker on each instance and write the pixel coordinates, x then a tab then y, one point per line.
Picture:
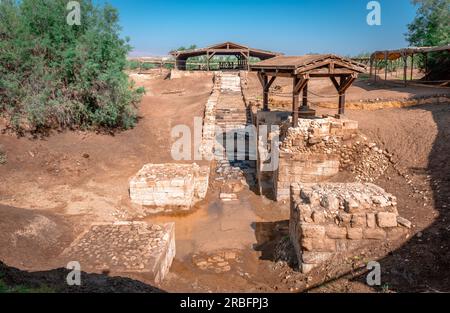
52	188
322	91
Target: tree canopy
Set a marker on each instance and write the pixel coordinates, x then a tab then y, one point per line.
53	74
431	27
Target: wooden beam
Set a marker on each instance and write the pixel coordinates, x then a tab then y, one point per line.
305	97
385	65
405	69
341	104
269	84
299	84
295	94
261	79
265	94
412	65
277	74
346	83
335	83
371	67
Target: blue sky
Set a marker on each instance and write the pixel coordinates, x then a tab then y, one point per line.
292	27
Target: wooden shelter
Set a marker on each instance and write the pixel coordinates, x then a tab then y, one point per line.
390	55
242	53
301	69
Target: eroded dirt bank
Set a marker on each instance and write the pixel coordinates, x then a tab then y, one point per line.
51	188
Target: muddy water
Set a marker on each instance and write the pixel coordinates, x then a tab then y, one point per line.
214	225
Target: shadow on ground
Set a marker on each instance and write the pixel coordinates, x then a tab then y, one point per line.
15	280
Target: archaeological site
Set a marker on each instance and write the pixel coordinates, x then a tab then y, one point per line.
224	167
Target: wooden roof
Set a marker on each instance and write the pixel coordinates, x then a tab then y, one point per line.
319	63
225	48
396	54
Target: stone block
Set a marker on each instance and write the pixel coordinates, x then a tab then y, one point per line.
315	257
355	233
375	233
371	221
169	185
358	220
319	232
133	249
312	231
386	219
336	232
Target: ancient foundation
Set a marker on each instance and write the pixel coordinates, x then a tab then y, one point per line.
311	152
125	248
330	219
169	185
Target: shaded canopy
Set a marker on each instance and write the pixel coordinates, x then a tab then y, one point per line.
226	48
396	54
310	64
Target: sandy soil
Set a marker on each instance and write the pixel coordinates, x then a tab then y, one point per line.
52	188
321	90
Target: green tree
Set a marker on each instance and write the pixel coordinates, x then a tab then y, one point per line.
431	27
56	75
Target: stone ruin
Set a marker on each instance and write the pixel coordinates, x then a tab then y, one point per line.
169	185
125	248
332	218
319	149
311	152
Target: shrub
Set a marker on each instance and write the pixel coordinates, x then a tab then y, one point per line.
56	75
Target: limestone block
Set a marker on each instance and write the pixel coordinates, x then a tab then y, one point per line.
321	225
386	219
133	249
169	185
336	232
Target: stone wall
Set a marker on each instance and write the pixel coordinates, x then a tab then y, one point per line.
135	249
163	185
303	167
209	121
330	219
311	152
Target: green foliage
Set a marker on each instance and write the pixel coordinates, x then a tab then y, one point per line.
431	27
56	75
6	288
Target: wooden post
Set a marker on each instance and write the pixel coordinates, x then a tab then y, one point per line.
426	65
376	67
305	98
207	61
266	94
295	96
371	66
405	69
385	66
412	65
342	104
341	87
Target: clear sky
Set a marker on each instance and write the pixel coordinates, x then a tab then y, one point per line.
293	27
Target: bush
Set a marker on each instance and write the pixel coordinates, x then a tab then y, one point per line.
56	75
431	27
